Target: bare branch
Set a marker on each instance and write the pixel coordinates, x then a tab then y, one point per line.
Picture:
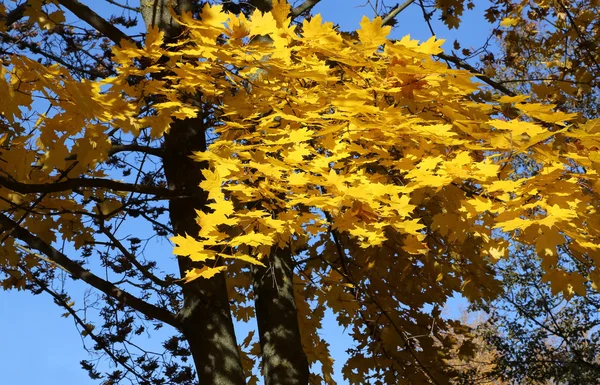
127	7
135	148
133	259
86	14
36	50
40	256
308	4
59	300
394	12
78	272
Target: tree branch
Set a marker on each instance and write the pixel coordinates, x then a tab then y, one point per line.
581	37
78	272
476	73
135	148
460	63
15	15
76	183
308	4
93	19
59	300
394	12
132	258
134	9
36	50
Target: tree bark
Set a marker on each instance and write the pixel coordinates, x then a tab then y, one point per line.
283	359
206	318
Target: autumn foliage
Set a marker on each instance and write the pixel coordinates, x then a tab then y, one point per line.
387	175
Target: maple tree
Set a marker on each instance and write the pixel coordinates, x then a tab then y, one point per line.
342	171
548	51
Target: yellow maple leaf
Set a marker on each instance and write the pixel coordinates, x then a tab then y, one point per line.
154	39
413	245
109	207
238	27
315	31
371	33
262	23
432	46
204	272
212	183
513	99
509	21
281	11
252	239
242	257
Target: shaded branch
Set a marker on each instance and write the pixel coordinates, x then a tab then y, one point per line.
586	44
356	286
476	73
77	183
127	7
157	223
39	256
15	15
117	148
86	14
308	4
36	50
135	148
78	272
59	300
132	258
453	59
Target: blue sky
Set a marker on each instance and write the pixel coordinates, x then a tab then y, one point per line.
38	346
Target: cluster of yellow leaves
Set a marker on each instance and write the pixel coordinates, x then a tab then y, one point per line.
374	141
369	138
70	141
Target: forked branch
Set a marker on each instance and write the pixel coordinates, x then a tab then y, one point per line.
78	272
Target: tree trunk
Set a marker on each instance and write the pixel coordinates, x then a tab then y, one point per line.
206	316
283	359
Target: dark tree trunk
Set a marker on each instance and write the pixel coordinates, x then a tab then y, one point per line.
206	316
283	359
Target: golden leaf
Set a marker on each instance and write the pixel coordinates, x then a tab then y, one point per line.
204	272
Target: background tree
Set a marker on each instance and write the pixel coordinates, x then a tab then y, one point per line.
545	50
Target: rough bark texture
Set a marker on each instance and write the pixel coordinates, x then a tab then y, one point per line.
158	13
283	359
206	318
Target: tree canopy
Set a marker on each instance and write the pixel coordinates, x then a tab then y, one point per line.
297	169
